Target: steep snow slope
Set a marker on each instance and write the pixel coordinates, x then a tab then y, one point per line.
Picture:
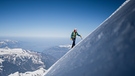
107	51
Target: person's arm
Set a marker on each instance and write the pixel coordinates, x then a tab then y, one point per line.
79	35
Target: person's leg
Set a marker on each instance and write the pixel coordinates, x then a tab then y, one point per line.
73	44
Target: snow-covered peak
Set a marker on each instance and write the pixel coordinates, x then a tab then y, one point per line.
18	52
19	60
14	54
39	72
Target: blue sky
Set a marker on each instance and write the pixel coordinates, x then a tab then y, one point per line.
53	18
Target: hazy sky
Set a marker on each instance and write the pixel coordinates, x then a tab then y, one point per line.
53	18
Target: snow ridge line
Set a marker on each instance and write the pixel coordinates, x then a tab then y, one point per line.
109	16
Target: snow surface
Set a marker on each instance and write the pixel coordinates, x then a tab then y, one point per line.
39	72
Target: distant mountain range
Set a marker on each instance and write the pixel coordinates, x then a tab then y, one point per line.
9	43
57	51
16	61
12	60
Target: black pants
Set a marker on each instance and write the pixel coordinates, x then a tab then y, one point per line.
73	44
